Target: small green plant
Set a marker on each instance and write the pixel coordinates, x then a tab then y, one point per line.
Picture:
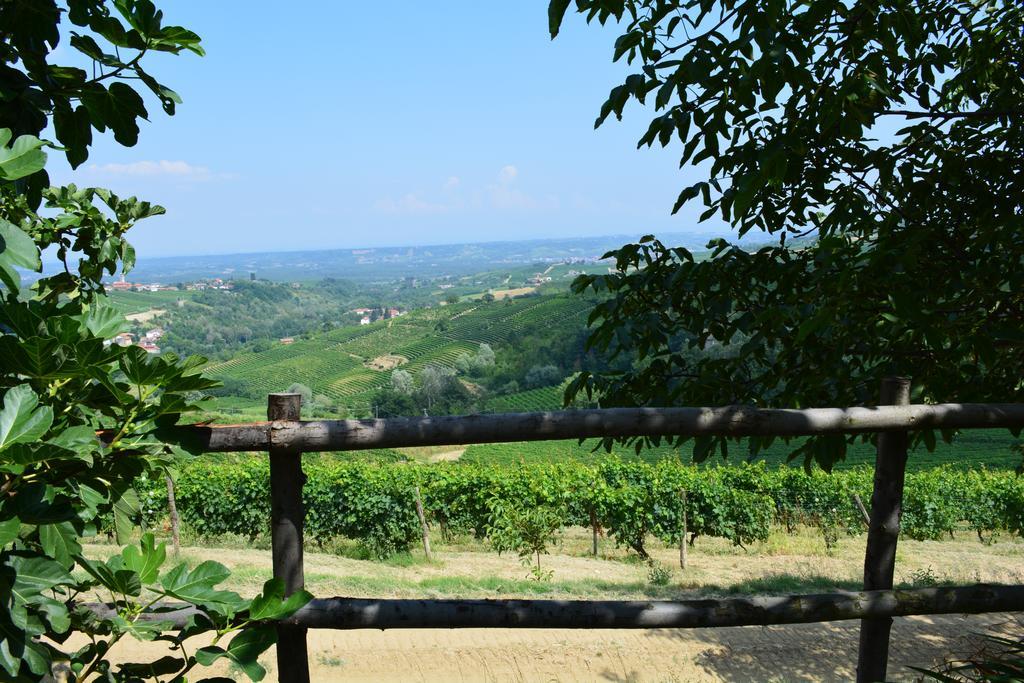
658	574
924	578
526	532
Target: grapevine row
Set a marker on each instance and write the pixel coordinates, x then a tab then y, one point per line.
633	501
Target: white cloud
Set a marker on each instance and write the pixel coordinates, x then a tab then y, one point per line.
506	196
173	169
452	183
507	174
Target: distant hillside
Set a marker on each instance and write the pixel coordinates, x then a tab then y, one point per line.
349	364
381	264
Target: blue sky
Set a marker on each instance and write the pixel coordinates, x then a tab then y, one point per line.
343	124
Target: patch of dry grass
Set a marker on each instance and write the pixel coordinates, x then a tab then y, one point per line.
468	568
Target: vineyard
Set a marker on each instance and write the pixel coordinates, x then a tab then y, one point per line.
975	449
129	302
542	398
633	502
336	364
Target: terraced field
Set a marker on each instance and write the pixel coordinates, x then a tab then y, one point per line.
543	398
336	363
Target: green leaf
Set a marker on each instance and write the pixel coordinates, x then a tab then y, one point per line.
36	504
60	541
126	509
556	13
33	575
113	576
17	250
74	132
243	650
15	649
103	321
21	159
139	368
145	558
22	418
9	529
272	604
197	586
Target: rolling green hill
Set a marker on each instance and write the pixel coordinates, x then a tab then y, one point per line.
340	364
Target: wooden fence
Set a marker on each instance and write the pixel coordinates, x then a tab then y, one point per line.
286	438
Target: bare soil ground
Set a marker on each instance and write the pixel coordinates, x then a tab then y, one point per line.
783	564
145	316
386	362
800	652
500	294
508	293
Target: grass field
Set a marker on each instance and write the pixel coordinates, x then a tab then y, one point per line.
977	448
139	302
468	568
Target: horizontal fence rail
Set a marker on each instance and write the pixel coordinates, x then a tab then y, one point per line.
359	613
343	435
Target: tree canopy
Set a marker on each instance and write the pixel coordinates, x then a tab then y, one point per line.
63	384
878	146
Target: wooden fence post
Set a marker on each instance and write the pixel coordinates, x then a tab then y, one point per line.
682	529
286	519
172	512
883	533
423	525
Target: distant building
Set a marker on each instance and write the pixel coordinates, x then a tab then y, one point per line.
124	339
252	276
154	335
363	311
365	320
287	340
394	313
121	284
148	347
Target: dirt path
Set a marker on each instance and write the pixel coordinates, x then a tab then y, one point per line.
803	652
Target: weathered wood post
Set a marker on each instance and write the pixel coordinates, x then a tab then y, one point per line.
423	525
883	533
286	519
682	529
172	512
